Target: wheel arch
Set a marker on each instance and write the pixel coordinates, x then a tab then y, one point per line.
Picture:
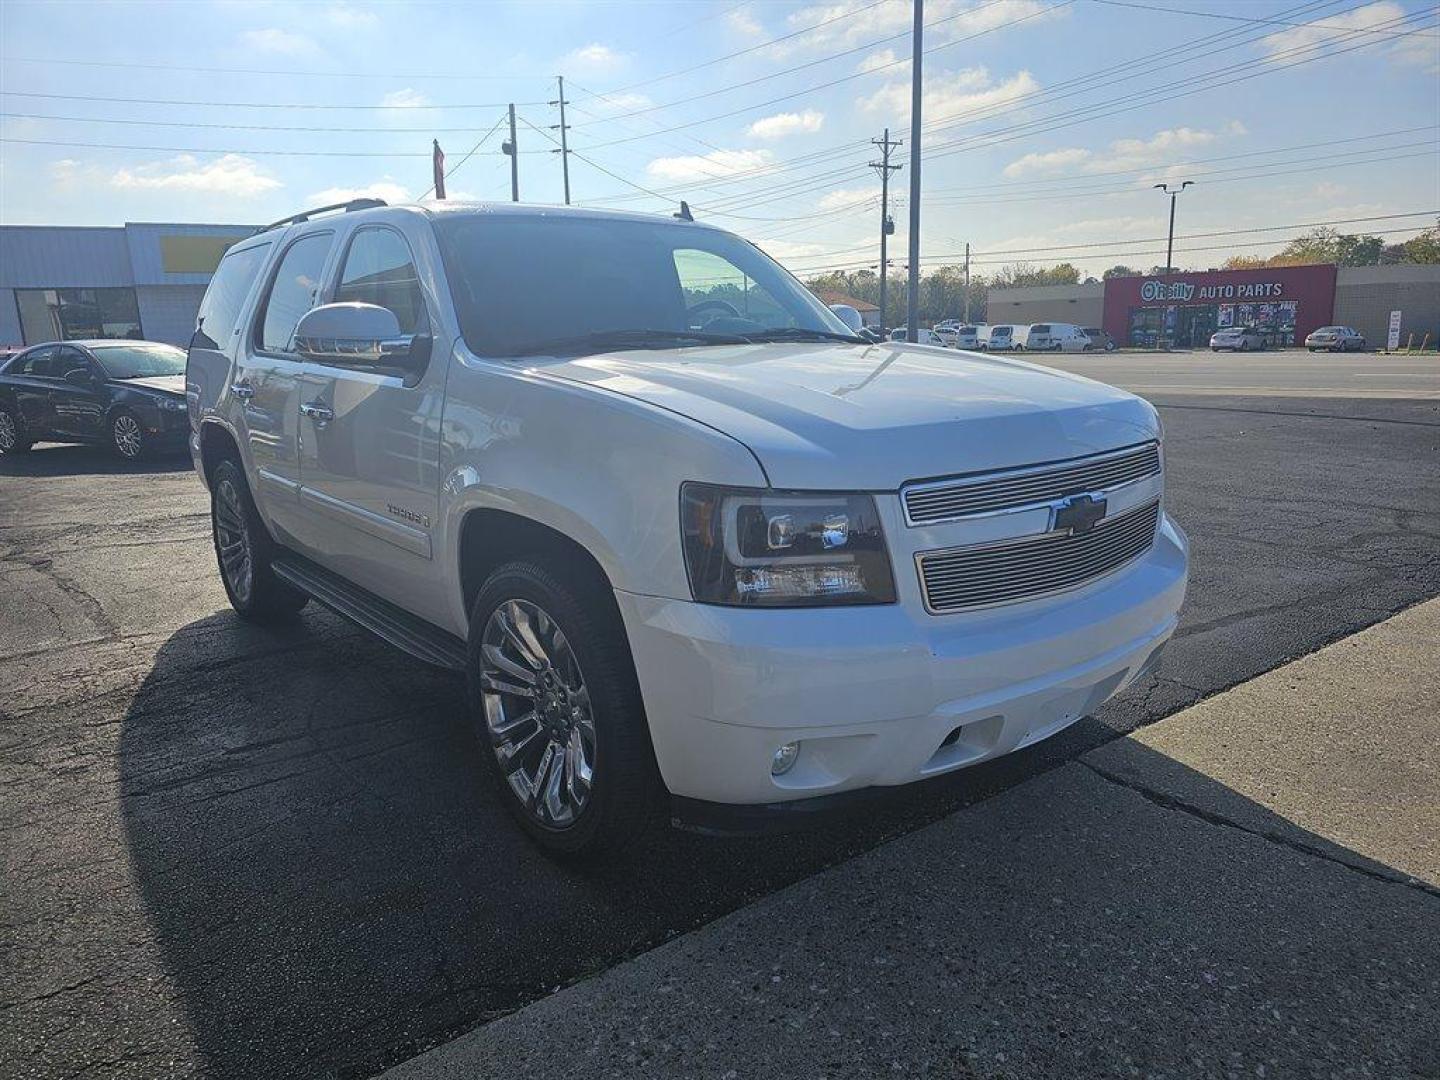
217	444
490	537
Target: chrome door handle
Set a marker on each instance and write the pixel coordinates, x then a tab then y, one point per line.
320	413
244	391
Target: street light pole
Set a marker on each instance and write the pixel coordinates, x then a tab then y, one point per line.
917	54
1170	239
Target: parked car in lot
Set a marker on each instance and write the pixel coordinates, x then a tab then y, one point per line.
1237	339
998	338
922	336
1099	339
1054	337
695	547
1335	339
127	395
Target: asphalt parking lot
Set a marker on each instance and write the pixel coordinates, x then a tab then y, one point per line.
236	852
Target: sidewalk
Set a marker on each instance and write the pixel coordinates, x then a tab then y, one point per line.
1248	888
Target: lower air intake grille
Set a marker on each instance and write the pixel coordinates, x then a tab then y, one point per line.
1034	566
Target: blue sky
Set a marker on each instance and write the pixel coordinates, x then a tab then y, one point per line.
1047	121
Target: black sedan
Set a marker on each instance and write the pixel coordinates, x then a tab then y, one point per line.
127	395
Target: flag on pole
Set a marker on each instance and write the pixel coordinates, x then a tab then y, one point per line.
439	162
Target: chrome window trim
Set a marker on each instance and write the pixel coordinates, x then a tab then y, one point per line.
1156	505
1020	473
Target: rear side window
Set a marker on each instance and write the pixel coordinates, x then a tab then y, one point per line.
293	292
1040	328
220	310
36	362
379	270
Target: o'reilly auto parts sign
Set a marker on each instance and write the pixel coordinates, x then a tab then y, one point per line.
1184	291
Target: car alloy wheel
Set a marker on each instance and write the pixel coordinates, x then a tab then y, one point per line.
538	712
232	541
126	431
8	435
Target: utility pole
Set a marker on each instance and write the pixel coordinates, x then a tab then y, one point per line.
917	53
1170	239
886	225
563	127
510	148
967	282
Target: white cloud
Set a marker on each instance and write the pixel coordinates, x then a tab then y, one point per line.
949	95
744	23
617	103
278	42
886	59
709	166
850	24
1048	161
1124	155
349	17
385	188
407	98
787	249
834	200
1301	42
787	123
230	174
592	59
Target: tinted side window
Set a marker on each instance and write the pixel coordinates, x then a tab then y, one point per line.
293	291
379	270
220	309
68	360
35	362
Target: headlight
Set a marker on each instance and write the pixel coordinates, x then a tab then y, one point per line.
170	404
760	548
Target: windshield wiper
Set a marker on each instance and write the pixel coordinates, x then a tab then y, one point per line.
802	333
627	339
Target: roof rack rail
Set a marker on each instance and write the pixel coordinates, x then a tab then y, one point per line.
306	215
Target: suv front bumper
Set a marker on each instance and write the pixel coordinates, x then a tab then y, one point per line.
886	695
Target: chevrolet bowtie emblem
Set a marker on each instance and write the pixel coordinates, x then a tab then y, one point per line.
1078	514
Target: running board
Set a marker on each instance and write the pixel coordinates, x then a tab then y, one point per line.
382	618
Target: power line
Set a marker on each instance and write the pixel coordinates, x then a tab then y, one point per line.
214	150
251	104
151	66
243	127
1160	9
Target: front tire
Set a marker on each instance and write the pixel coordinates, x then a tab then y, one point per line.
244	550
558	712
127	436
13	439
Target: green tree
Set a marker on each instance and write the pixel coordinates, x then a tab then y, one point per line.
1120	270
1325	245
1424	248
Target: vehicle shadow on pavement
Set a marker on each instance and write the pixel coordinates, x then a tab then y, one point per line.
78	459
334	885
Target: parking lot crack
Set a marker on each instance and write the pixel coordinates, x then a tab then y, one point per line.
1171	802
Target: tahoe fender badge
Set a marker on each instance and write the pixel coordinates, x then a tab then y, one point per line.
409	515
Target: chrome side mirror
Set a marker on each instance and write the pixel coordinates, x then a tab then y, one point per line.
358	334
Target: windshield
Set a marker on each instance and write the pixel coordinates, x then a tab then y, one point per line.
139	361
524	285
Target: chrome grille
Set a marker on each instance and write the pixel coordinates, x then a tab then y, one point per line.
1032	566
947	500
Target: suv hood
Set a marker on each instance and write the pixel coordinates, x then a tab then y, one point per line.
833	415
173	384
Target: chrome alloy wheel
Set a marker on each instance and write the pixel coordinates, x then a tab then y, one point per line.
232	540
538	712
8	434
126	430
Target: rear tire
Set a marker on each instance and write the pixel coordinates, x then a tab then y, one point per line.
13	439
244	550
558	713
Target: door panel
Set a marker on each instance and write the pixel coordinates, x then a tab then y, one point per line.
31	385
370	443
79	411
267	382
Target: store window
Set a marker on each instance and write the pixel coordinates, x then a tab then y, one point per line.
71	314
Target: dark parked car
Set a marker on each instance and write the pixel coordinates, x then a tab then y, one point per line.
1099	339
127	395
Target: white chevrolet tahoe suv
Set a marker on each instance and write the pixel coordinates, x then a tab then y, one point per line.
697	549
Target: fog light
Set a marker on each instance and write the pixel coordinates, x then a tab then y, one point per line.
784	759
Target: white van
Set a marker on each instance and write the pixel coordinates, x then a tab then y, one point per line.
1055	337
998	338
